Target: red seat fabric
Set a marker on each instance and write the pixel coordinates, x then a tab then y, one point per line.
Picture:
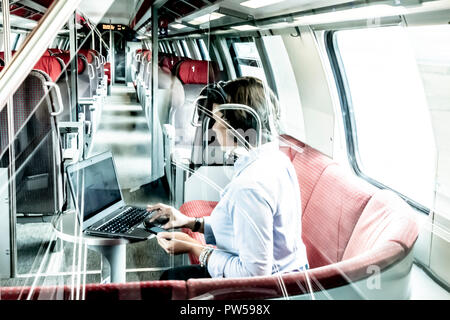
2	55
147	290
386	218
347	225
196	72
88	54
108	71
197	209
296	283
49	65
334	208
65	57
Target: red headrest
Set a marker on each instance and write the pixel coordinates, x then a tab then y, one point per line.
196	72
46	53
66	58
1	68
49	65
2	55
88	54
169	62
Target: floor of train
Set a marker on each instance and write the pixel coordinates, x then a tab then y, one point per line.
123	130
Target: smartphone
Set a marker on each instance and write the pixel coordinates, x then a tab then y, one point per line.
156	230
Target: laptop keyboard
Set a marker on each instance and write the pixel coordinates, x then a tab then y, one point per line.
125	221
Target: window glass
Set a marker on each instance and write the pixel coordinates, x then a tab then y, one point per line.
180	49
246	58
431	45
204	50
186	49
387	100
291	110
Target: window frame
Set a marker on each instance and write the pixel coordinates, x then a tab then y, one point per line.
351	137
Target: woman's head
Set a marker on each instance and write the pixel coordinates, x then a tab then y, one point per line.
251	92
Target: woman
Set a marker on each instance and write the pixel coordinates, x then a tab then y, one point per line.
256	226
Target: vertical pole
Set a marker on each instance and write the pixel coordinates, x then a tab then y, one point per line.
111	55
12	156
154	90
74	67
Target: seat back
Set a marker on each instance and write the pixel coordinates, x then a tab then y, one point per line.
331	213
386	218
38	163
92	71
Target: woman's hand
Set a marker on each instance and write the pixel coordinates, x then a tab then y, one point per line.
176	218
178	243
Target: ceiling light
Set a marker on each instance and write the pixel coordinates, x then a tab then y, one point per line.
206	18
245	27
177	26
259	3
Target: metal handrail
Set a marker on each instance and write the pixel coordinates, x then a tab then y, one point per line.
35	45
58	96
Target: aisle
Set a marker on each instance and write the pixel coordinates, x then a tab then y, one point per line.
123	130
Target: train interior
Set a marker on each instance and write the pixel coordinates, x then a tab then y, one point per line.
364	118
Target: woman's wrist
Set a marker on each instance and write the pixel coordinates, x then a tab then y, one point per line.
190	224
195	224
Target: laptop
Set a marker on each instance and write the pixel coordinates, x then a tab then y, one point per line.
99	202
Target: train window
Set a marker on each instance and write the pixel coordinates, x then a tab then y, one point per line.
391	131
203	50
291	119
180	49
197	53
246	59
186	49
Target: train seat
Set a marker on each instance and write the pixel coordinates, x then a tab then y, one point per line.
348	227
146	290
142	75
37	151
170	99
93	75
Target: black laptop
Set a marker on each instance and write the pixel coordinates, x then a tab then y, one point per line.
99	202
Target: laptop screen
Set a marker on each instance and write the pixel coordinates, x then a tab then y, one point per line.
95	187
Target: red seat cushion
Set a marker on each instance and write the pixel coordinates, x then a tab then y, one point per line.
386	218
331	214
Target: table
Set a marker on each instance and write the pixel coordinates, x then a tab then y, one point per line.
67	228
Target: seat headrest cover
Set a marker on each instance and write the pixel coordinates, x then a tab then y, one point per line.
88	54
2	54
49	65
66	58
195	72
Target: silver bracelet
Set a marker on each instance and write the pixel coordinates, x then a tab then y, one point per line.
206	252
